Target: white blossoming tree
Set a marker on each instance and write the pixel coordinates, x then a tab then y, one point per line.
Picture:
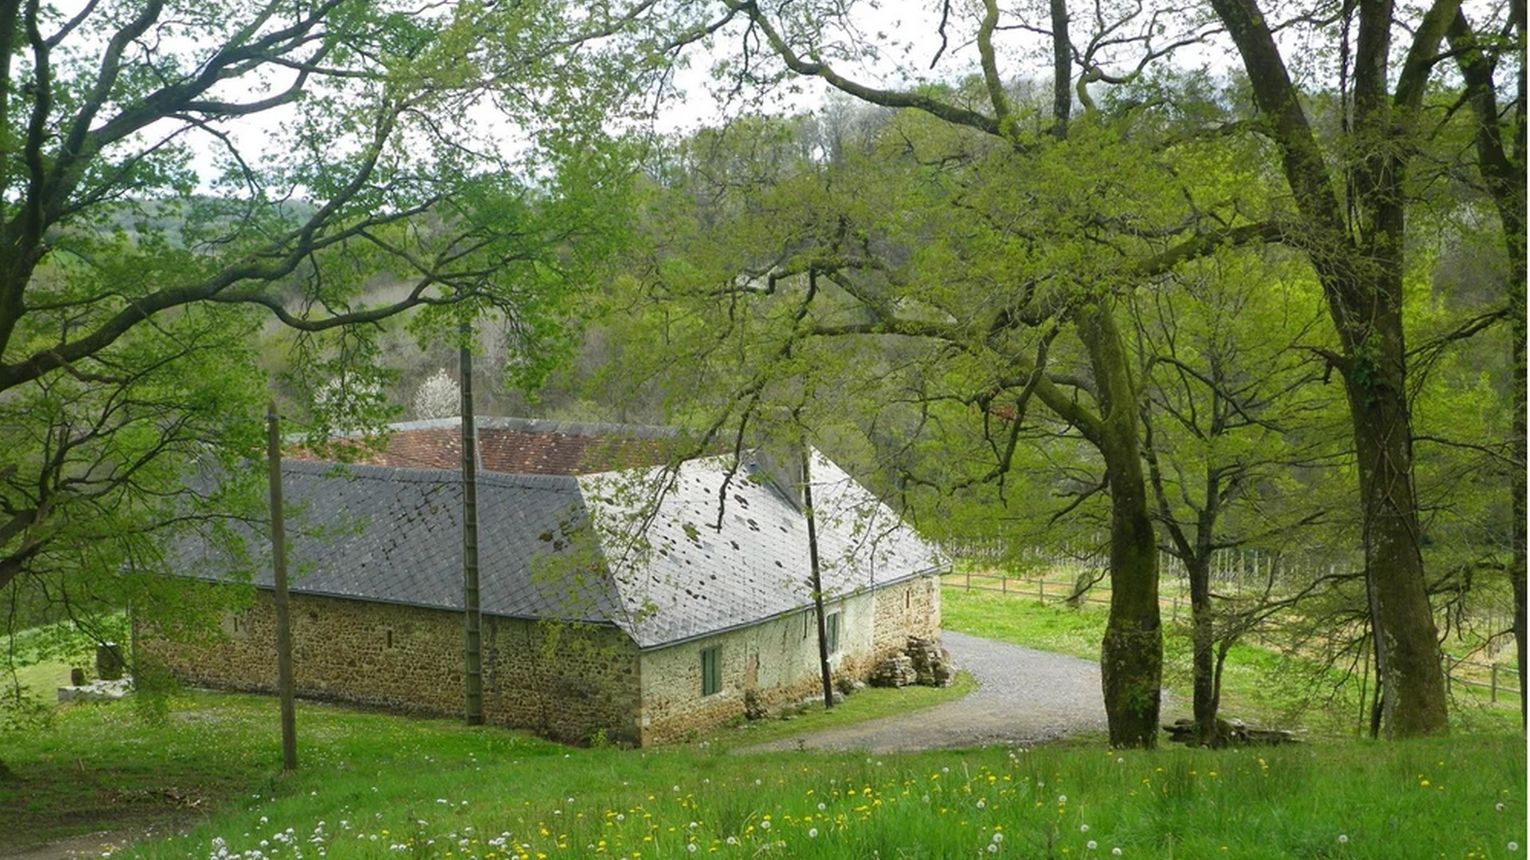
436	397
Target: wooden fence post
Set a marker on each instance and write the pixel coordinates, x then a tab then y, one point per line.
1041	592
1003	583
1493	686
969	579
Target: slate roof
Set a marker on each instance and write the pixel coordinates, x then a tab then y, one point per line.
395	536
656	564
682	574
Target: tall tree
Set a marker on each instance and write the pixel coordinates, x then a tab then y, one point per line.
1027	307
1233	410
177	177
132	198
1499	136
963	245
1352	201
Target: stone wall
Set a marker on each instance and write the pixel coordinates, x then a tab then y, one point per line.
905	609
561	681
778	659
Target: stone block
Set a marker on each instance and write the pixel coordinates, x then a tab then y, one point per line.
97	691
895	671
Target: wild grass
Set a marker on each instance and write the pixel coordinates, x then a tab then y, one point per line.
375	786
378	786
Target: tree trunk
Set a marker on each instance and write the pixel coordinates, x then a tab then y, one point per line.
1216	677
1131	655
1360	267
1404	621
284	684
1203	642
1517	335
825	675
472	619
1500	144
1062	70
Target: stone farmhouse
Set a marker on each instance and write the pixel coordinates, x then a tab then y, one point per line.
640	604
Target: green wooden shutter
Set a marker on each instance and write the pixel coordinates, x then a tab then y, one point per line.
711	670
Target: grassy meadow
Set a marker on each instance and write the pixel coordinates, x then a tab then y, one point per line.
377	786
204	780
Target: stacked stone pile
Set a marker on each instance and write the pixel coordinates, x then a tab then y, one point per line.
96	691
895	671
922	661
932	663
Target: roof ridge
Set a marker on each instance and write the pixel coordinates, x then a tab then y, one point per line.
534	425
371	472
576	428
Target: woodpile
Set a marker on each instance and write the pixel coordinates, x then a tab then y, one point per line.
1233	733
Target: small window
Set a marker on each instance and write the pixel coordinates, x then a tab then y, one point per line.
711	670
831	632
908	597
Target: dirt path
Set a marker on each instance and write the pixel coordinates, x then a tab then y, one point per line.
1025	696
89	845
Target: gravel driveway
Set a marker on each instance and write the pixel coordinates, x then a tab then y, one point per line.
1025	696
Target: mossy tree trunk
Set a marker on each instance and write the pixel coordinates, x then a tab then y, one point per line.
1500	145
1356	248
1204	668
1407	642
1131	654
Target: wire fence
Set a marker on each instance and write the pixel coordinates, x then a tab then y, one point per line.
1470	674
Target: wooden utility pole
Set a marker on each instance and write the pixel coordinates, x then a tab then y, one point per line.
279	575
823	640
472	637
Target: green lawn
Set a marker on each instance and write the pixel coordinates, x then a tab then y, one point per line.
867	704
1259	685
375	786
